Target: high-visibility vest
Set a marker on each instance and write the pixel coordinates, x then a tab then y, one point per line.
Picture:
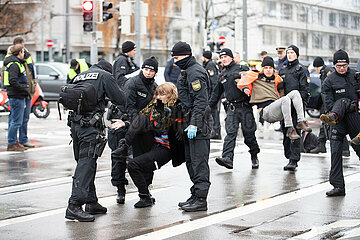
83	67
22	73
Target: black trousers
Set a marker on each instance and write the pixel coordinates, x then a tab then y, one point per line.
215	120
141	168
349	123
245	116
83	186
118	165
291	147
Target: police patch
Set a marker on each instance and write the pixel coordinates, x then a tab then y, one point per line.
196	85
211	73
328	73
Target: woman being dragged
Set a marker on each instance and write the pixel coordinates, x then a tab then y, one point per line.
263	89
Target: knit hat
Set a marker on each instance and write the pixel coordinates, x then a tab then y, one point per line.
73	63
268	61
181	49
226	51
128	46
151	63
340	56
207	54
318	62
105	65
294	48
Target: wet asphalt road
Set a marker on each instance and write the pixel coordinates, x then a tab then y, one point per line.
267	203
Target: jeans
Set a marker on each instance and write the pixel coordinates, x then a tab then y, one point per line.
16	118
23	138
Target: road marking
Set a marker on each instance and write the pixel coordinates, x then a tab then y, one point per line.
37	149
239	211
105	201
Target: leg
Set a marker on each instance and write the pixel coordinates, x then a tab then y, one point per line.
17	114
298	104
23	138
279	110
215	113
231	126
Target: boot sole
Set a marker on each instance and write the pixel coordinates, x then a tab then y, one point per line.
80	220
93	213
195	210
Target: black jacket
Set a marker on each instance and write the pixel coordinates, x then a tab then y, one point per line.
172	72
228	85
19	86
296	77
213	72
138	93
324	72
123	65
104	84
338	86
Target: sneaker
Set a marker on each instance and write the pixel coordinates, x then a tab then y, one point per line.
291	166
225	162
95	208
75	212
15	148
303	126
292	134
329	118
145	201
336	192
254	162
199	204
188	201
20	145
28	145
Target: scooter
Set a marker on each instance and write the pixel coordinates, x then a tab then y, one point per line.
39	107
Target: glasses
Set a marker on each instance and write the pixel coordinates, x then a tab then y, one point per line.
341	66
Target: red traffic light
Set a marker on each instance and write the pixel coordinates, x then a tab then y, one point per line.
87	5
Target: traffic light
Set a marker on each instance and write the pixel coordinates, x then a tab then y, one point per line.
88	8
106	15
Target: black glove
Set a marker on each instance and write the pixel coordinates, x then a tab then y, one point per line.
280	86
159	106
237	75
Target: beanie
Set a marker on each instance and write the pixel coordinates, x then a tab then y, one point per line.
318	62
340	56
105	65
226	51
73	63
268	61
151	63
294	48
128	46
181	49
207	54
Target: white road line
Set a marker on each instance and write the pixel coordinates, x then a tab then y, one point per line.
105	201
38	149
240	211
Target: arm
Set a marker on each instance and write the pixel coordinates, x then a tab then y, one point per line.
167	71
304	85
216	94
131	100
119	71
113	91
200	100
328	96
14	72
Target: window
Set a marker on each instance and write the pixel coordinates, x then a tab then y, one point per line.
44	70
177	8
302	14
332	19
342	42
286	38
316	40
177	35
301	41
317	16
286	11
343	18
355	44
269	36
270	9
354	22
332	42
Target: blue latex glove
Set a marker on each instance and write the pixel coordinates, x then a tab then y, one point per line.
191	131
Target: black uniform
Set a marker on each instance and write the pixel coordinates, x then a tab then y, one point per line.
341	86
296	77
240	111
87	138
123	65
213	72
192	89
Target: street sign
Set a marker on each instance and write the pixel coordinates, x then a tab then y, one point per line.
49	43
222	39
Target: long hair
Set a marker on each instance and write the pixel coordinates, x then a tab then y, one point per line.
169	90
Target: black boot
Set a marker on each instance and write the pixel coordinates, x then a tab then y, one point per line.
320	148
291	166
145	201
75	212
336	192
225	161
121	150
120	198
199	204
254	161
95	208
190	200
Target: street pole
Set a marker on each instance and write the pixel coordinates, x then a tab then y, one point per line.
245	57
67	32
137	32
42	31
201	28
94	46
50	30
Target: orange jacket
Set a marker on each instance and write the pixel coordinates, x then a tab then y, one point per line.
251	77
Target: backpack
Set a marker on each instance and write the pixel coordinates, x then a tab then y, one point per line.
79	97
308	142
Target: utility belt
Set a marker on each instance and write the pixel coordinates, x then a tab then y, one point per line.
232	106
115	112
86	120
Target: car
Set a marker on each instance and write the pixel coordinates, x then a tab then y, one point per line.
51	77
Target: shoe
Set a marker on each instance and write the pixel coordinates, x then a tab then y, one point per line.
346	153
356	140
120	198
145	201
15	147
291	166
121	150
303	126
20	145
329	118
292	134
225	161
28	145
254	162
336	192
75	212
199	204
320	148
95	208
190	200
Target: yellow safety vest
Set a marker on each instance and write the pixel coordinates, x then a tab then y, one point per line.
83	67
6	72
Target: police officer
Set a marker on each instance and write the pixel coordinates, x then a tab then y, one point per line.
213	72
87	131
296	77
282	61
341	84
77	66
124	64
239	111
193	92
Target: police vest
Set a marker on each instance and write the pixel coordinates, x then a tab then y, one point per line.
83	67
22	77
